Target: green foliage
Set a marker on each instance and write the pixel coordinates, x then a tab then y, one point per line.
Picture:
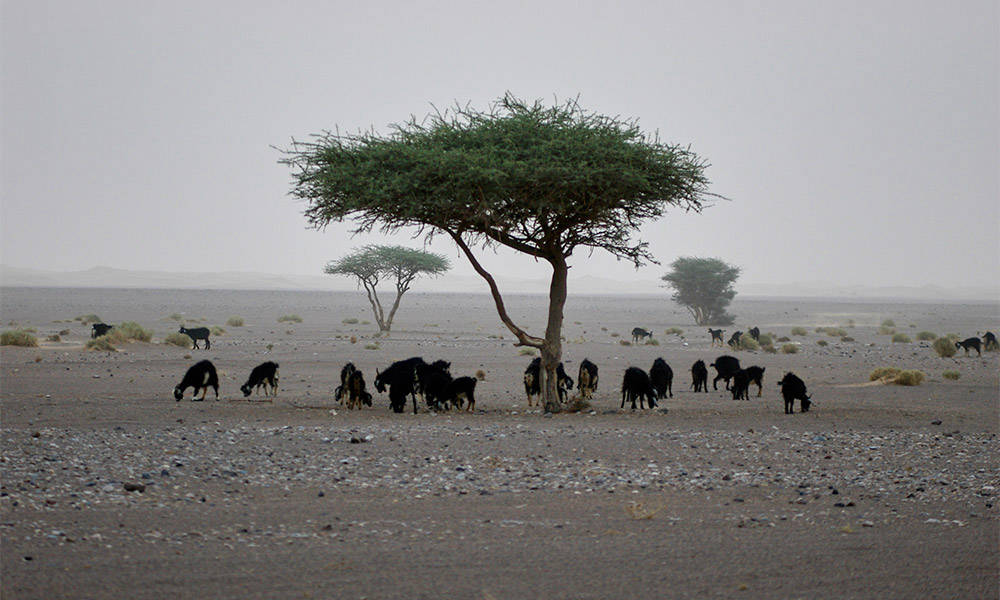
235	322
290	319
833	331
799	331
102	344
883	373
888	323
765	340
652	342
952	375
747	343
789	349
769	348
926	336
944	347
18	337
910	377
901	338
88	319
178	339
704	286
129	331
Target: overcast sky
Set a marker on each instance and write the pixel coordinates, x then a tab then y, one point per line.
859	141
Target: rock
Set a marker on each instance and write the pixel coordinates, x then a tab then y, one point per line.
134	487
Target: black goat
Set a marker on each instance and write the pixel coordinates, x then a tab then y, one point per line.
200	376
433	381
462	388
725	367
754	333
400	377
636	385
586	380
356	392
341	393
99	329
532	380
198	333
756	376
793	388
265	374
699	376
734	340
661	377
639	333
741	383
717	336
966	344
990	341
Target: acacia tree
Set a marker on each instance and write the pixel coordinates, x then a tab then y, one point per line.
372	264
542	180
704	286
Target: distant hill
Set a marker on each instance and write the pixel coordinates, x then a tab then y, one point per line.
586	284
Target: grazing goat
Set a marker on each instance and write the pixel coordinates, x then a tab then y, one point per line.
734	340
725	366
356	392
200	376
661	377
433	381
793	388
699	376
462	388
741	384
99	329
756	376
198	333
636	385
533	380
265	374
401	379
966	344
990	341
717	336
639	333
586	380
345	373
754	333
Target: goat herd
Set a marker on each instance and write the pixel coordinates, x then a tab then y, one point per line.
434	383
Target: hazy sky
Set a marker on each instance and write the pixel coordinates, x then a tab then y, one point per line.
859	141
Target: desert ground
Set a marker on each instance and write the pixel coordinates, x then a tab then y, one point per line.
880	491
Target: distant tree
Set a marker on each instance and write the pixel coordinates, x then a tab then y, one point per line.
542	180
372	264
704	286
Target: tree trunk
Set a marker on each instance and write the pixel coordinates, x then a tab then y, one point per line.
552	348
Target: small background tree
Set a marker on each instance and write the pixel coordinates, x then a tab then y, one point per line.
704	286
372	264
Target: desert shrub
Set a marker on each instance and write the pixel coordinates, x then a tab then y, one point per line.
526	352
65	332
87	319
883	372
216	330
888	323
747	343
926	336
901	338
576	404
784	338
102	343
944	347
799	331
789	349
290	319
651	342
235	322
18	337
769	348
910	377
625	342
847	338
481	375
371	346
822	343
674	331
176	317
350	321
765	339
953	375
129	331
178	339
883	330
835	331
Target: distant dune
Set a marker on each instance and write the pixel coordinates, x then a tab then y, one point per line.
244	280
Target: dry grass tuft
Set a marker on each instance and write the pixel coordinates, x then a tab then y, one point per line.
799	331
944	347
640	511
235	322
789	349
178	339
102	344
18	337
952	375
290	319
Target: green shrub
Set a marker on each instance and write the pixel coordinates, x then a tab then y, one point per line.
371	346
847	338
784	338
888	323
102	343
216	330
651	342
883	372
290	319
674	331
87	319
835	331
789	349
178	339
235	322
953	375
944	347
822	343
18	337
129	331
350	321
765	339
926	336
747	343
883	330
799	331
769	348
901	338
910	377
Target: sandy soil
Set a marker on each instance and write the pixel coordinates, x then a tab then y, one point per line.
878	492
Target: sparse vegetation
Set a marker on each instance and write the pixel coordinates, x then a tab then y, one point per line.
834	331
910	377
769	348
747	343
765	339
129	331
576	404
847	338
926	336
822	343
783	338
944	347
350	321
290	319
789	349
884	373
371	346
65	332
176	317
888	323
799	331
87	319
102	344
235	322
178	339
901	338
884	330
18	337
216	330
651	342
952	375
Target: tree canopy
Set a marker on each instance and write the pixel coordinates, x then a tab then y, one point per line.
542	180
372	264
704	286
